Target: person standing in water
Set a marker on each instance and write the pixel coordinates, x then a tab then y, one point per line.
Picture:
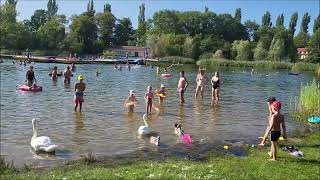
274	129
30	77
201	81
78	96
149	99
182	86
54	74
73	67
131	101
216	81
67	75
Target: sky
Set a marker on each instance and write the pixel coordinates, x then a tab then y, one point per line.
251	9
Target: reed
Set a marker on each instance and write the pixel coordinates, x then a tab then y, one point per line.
301	66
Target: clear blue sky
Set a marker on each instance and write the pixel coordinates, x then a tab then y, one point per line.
251	9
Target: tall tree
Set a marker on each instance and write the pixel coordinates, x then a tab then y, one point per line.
107	8
314	48
106	24
90	9
316	25
141	32
206	9
280	21
52	8
266	20
251	27
12	2
123	32
293	23
38	18
304	23
237	14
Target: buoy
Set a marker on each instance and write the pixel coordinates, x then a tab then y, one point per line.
225	147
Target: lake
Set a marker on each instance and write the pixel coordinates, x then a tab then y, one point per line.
105	127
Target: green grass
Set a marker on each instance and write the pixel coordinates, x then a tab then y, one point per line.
178	59
216	166
213	62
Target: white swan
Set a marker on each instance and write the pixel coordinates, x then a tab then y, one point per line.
144	130
42	143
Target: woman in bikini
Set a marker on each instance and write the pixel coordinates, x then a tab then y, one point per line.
216	82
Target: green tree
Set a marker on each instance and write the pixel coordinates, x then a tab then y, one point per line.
38	18
280	21
293	23
12	2
107	8
261	51
304	23
266	20
237	15
123	32
166	21
106	24
314	48
52	33
52	8
277	49
301	40
90	9
252	28
141	32
316	25
243	49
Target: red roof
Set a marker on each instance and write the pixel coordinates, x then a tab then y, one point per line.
300	50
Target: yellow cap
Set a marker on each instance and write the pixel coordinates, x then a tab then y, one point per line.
80	77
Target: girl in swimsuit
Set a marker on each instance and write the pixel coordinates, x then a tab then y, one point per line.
216	82
201	80
149	98
54	75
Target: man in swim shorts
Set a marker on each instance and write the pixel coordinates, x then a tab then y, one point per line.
67	75
78	96
274	129
30	76
182	86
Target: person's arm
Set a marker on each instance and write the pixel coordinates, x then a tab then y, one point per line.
84	88
126	102
186	83
271	121
284	128
75	87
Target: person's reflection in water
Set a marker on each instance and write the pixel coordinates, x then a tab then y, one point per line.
215	111
132	120
180	113
66	85
198	107
78	121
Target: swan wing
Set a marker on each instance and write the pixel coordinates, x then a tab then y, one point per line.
144	130
42	141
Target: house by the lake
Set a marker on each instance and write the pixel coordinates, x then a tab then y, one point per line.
302	52
130	52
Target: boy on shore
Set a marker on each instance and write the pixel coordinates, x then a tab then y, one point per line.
78	96
274	129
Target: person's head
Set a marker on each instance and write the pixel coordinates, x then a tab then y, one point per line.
276	106
68	67
131	92
216	74
55	68
201	71
270	100
149	88
182	73
162	86
80	78
31	67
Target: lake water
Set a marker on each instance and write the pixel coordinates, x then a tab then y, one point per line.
105	127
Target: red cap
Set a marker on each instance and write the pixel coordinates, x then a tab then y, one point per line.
277	104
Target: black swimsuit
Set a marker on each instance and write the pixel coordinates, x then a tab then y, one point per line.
30	75
216	84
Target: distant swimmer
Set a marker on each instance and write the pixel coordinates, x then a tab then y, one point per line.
182	86
78	96
131	101
216	82
54	74
67	75
30	77
73	67
149	99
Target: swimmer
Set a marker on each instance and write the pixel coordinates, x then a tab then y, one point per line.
182	86
128	66
78	96
274	129
131	100
30	77
67	75
149	98
73	67
201	81
216	81
54	74
162	93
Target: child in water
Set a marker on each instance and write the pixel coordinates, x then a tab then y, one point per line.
78	96
149	98
131	101
182	86
161	93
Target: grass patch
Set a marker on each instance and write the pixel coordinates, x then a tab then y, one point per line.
213	62
216	166
178	59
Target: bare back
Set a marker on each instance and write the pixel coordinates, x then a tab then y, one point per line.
275	121
80	87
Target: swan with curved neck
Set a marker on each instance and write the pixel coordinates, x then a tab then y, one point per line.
144	130
41	143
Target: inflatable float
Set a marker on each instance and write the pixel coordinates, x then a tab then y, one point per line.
130	104
314	119
160	94
186	138
166	75
34	88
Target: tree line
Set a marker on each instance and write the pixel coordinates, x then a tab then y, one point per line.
194	34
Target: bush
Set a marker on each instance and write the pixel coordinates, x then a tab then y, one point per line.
309	99
206	56
218	54
178	59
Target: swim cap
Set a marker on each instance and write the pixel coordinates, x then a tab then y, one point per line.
162	85
131	92
80	77
271	99
277	104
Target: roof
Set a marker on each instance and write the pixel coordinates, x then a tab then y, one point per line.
302	49
128	48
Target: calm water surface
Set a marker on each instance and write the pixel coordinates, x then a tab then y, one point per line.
105	127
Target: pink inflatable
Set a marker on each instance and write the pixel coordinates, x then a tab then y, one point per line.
166	75
34	88
186	138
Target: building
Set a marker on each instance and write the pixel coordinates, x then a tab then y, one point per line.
302	52
130	52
